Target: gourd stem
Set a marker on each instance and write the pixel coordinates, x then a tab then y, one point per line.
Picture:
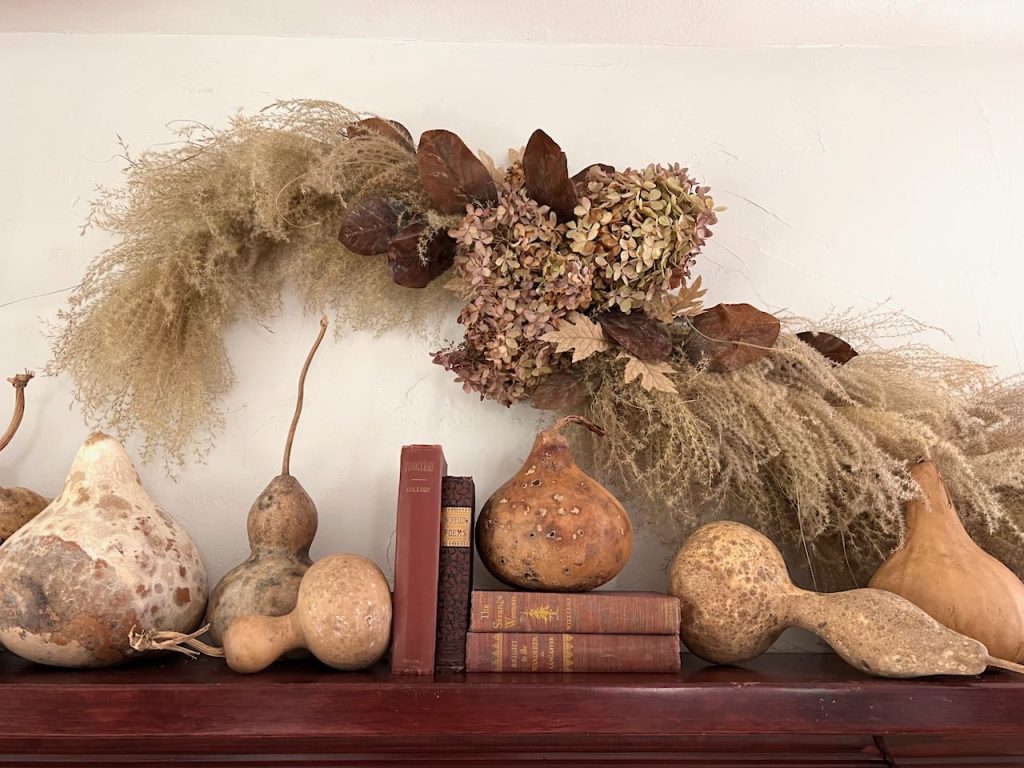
1007	665
573	419
19	382
188	644
286	463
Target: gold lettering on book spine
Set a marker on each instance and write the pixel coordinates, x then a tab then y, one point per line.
456	523
567	653
496	654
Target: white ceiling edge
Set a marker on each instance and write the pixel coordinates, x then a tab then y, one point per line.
684	23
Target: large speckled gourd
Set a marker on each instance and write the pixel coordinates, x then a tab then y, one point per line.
736	599
940	569
281	526
100	560
552	526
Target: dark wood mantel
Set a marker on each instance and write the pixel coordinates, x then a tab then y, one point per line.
782	709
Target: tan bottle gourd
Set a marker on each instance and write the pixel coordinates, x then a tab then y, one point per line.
736	598
940	569
17	505
552	526
281	526
342	616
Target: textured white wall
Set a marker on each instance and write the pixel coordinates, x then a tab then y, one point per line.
853	175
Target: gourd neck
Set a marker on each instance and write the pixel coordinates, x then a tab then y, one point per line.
933	512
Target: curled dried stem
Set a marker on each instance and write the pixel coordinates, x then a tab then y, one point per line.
19	382
188	644
286	464
574	419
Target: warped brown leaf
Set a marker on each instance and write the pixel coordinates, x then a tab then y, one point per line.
389	129
417	255
559	392
547	175
451	174
638	334
832	347
730	336
369	224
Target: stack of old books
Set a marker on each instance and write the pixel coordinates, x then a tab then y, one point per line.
603	631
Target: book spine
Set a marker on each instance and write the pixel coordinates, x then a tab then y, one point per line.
417	546
624	613
562	652
455	582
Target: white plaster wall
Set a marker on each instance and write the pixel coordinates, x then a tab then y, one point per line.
873	152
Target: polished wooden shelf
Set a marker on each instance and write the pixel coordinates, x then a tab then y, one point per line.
781	709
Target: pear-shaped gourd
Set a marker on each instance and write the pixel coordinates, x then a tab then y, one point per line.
736	598
342	616
17	505
552	526
939	568
281	526
100	560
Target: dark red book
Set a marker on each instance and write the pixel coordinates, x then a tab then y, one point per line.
563	652
604	612
417	549
455	582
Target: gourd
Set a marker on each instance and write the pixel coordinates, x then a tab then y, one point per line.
342	616
552	526
100	560
17	505
940	569
281	525
736	598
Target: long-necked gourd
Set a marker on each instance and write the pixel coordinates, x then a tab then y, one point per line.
736	599
940	569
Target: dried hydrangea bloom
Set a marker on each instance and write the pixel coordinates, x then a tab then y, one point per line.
642	230
519	277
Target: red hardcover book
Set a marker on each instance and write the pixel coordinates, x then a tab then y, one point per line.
563	652
455	582
607	612
417	547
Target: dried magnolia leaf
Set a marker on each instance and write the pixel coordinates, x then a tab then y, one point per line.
559	392
451	174
370	223
581	336
652	375
417	255
547	175
666	307
640	335
579	181
730	336
389	129
832	347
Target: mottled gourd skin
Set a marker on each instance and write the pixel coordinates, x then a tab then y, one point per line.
281	526
342	616
17	507
101	559
736	599
941	570
552	526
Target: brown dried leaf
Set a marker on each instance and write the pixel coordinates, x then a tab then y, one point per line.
547	175
452	175
559	392
389	129
652	375
666	307
370	223
417	255
582	336
579	181
639	334
832	347
730	336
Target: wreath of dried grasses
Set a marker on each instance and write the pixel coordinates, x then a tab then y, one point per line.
576	296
